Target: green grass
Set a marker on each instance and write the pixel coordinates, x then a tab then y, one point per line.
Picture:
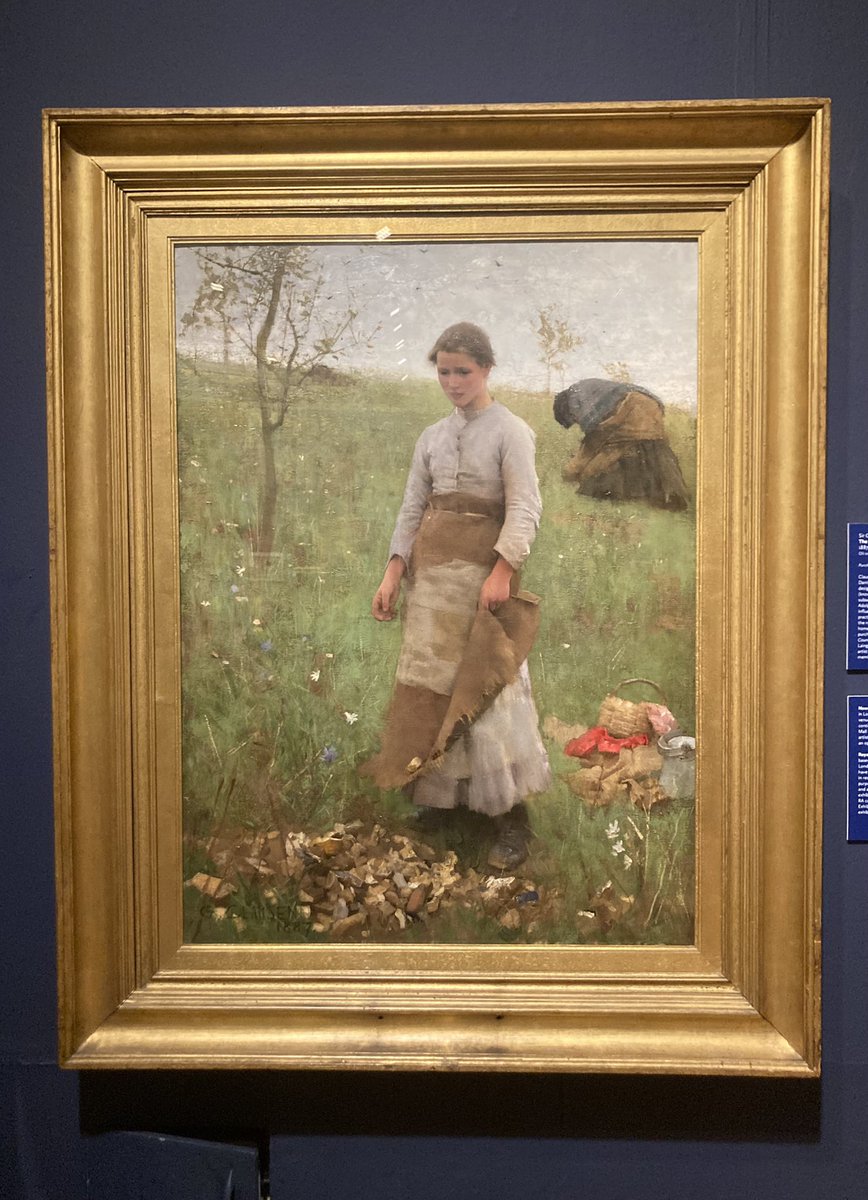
276	655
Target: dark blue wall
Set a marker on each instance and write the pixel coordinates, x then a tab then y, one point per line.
427	1136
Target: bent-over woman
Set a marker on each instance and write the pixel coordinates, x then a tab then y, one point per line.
625	453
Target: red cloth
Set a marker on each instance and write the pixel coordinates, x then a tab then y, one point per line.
599	738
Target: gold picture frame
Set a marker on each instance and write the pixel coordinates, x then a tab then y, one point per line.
748	181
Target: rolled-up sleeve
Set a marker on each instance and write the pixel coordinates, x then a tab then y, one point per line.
416	496
522	500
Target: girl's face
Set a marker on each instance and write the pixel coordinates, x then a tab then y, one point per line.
463	380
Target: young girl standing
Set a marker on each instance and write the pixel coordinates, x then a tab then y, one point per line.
462	728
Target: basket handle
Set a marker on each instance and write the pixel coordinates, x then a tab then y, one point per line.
650	682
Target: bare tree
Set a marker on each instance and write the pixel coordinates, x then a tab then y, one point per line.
618	371
269	303
555	341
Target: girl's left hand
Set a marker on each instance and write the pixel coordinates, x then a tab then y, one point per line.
495	590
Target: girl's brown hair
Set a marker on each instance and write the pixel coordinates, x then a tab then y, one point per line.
464	338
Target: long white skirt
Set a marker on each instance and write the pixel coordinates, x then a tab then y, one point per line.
497	762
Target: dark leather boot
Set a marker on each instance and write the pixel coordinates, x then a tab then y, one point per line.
511	841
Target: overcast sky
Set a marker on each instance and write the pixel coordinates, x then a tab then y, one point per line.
630	301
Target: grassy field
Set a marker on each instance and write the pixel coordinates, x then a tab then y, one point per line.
286	676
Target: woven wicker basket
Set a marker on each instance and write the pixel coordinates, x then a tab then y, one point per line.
623	718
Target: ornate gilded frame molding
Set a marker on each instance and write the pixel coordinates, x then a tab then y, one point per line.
748	180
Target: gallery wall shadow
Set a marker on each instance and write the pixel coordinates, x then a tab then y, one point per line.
246	1105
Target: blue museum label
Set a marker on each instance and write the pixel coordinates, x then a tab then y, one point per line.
857	768
857	597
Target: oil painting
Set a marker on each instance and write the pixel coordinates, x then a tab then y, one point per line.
495	444
433	496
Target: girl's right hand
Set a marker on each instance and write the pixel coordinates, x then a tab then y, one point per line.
386	596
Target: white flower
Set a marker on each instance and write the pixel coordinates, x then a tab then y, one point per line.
205	603
239	570
314	676
256	621
618	847
194	462
351	718
613	830
628	862
565	645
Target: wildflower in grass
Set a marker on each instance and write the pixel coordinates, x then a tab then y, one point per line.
239	570
613	830
617	847
267	645
314	676
565	645
329	754
627	860
256	621
351	718
242	599
194	462
205	603
234	589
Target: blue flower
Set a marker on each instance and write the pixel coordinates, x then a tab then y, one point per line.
329	754
266	646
